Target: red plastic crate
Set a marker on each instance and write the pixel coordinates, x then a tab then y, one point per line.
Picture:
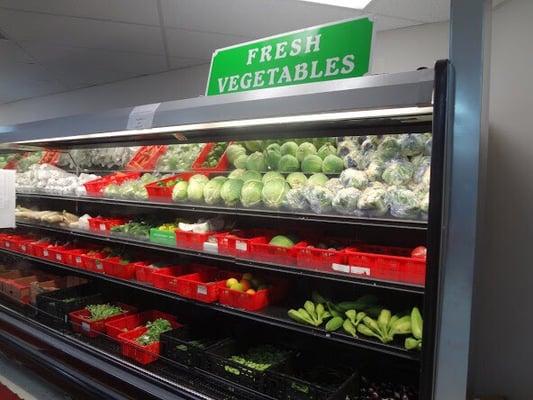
100	224
50	157
238	244
223	162
142	354
19	289
95	187
5	277
145	159
195	241
167	278
37	249
55	253
164	193
80	321
276	254
113	267
73	257
387	267
203	286
130	322
145	272
94	262
310	257
243	300
18	243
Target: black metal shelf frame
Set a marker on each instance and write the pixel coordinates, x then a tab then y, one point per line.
270	316
260	213
262	266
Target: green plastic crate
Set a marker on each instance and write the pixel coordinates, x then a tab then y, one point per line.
165	238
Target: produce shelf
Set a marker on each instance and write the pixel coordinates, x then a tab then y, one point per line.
291	270
272	315
283	215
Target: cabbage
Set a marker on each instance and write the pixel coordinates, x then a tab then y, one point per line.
295	199
326	150
398	172
195	190
373	201
334	185
423	171
236	174
423	201
296	179
282	241
251	193
375	170
411	144
274	192
271	175
319	198
240	162
179	193
251	175
388	149
289	148
350	159
427	146
253	145
370	144
256	162
317	180
231	191
332	165
234	151
312	164
288	163
304	150
272	156
403	203
345	201
212	190
354	178
346	147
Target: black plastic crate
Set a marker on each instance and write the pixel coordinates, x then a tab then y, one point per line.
309	377
187	345
219	363
53	307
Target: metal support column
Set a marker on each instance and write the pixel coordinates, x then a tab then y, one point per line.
469	55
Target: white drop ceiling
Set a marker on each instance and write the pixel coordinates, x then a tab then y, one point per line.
53	46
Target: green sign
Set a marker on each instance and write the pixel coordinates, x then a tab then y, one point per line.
333	51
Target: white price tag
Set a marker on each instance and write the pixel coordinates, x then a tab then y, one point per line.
201	290
210	247
340	267
241	246
102	227
8	245
45	253
99	265
59	257
78	260
142	117
23	247
360	270
85	326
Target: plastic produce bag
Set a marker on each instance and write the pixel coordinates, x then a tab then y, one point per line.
398	172
372	201
345	201
352	177
296	200
319	199
403	203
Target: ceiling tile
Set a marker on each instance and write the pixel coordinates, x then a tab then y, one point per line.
23	71
132	11
416	10
87	76
13	89
79	58
199	45
10	52
249	18
77	32
388	23
180	62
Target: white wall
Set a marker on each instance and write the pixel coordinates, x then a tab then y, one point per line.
393	52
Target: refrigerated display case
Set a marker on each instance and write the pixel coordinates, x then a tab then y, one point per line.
266	277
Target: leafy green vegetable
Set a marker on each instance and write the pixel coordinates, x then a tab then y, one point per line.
155	329
103	311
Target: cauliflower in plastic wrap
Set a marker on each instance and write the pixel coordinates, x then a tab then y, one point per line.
345	201
403	203
319	199
295	199
422	175
334	185
370	144
411	144
375	169
372	201
388	149
346	146
398	172
352	177
428	146
423	198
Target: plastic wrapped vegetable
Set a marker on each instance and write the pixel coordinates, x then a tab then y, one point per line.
373	201
352	177
370	144
195	190
423	200
334	185
274	192
295	200
319	199
427	146
251	193
398	173
422	175
411	144
375	170
212	190
388	149
345	201
345	147
403	203
231	191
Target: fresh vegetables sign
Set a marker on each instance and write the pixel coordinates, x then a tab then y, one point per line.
333	51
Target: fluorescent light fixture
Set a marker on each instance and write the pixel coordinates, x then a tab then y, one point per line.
322	117
357	4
